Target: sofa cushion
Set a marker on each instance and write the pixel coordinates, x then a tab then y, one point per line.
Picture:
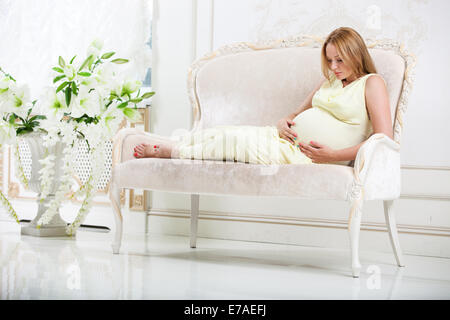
309	181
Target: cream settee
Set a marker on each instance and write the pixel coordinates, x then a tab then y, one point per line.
257	84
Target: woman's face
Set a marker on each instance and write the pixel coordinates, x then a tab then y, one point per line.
336	64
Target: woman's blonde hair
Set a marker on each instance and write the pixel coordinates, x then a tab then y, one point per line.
352	50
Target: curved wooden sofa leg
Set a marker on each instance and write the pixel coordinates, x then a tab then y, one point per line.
354	227
392	229
114	196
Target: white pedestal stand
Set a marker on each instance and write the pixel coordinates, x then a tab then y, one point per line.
57	226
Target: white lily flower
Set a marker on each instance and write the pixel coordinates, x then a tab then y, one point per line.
54	104
95	47
105	70
87	102
111	119
14	100
132	114
70	72
92	134
115	87
21	98
77	111
130	86
5	84
89	82
105	75
7	101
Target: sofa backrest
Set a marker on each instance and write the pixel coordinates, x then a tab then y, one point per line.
243	84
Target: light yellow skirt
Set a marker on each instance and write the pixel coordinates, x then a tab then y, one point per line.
249	144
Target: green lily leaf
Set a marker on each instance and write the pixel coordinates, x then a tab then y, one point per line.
74	88
122	105
23	130
33	124
61	62
68	93
62	86
17	117
91	61
119	61
148	95
132	114
86	62
56	79
58	70
12	118
107	55
84	74
10	76
71	60
37	117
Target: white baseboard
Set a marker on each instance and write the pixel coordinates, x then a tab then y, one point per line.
415	240
418	233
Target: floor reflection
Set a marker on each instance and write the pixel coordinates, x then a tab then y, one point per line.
164	267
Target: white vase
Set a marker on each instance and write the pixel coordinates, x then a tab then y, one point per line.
57	226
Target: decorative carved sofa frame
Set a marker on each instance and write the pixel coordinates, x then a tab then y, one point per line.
257	84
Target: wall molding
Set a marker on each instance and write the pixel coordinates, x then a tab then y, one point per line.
211	38
425	182
194	27
203	28
293	221
422	167
438	197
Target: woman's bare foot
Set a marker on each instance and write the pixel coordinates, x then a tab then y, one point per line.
145	150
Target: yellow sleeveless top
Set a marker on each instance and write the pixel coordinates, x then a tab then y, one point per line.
338	117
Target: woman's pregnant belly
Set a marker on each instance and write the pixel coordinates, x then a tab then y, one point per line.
316	124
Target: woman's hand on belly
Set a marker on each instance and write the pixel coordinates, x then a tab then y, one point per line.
317	152
285	131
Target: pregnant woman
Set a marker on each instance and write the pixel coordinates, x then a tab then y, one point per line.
345	108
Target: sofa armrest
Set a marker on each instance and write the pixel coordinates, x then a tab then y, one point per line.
377	168
127	138
118	140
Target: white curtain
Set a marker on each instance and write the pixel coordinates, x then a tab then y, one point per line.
33	33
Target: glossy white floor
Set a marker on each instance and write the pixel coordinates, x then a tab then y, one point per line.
164	267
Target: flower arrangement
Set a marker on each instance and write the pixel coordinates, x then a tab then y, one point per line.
87	102
15	110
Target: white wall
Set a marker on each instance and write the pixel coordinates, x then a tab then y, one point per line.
172	54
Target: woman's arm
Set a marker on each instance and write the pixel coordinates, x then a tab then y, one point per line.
377	102
346	154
